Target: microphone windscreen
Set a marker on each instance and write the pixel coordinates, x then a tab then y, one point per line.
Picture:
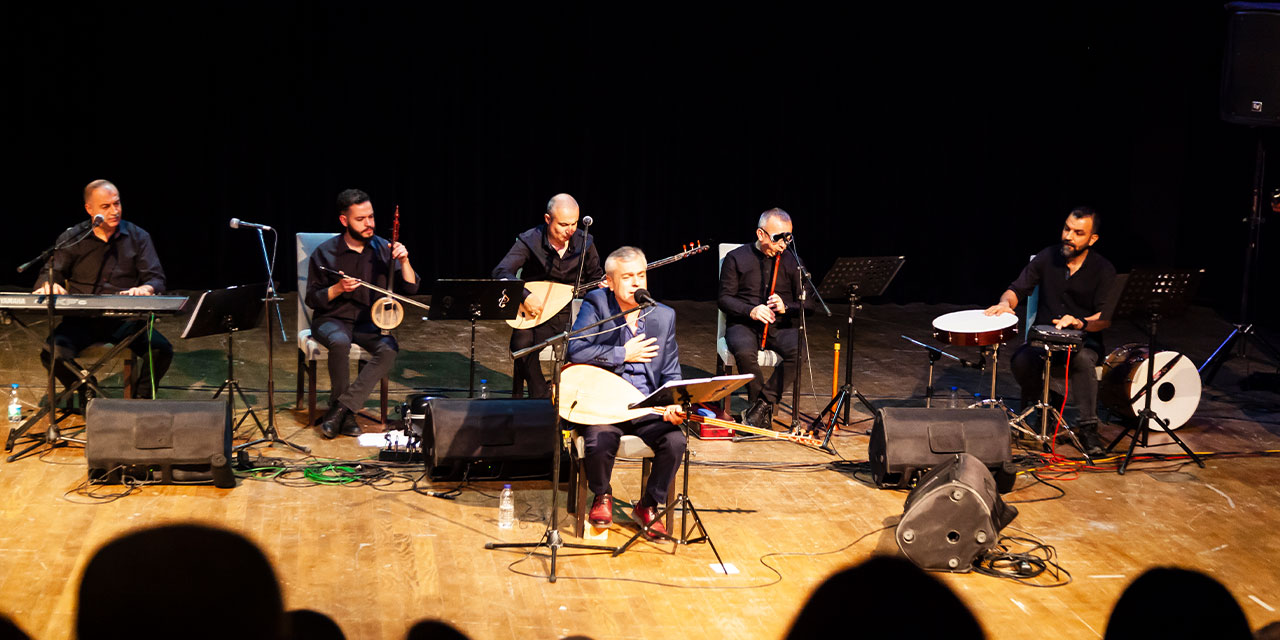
587	221
235	223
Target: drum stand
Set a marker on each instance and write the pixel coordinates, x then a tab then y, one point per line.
1019	422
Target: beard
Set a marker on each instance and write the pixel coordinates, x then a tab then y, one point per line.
357	237
1070	251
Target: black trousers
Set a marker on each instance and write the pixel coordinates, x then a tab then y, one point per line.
1028	369
528	367
602	440
744	344
74	335
337	336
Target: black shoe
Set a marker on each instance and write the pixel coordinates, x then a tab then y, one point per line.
760	415
331	425
349	425
1090	440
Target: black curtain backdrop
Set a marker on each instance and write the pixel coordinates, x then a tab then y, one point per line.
957	136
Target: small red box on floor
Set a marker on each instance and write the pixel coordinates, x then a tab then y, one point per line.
708	431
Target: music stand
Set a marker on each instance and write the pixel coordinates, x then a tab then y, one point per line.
475	299
686	393
854	278
1153	294
228	311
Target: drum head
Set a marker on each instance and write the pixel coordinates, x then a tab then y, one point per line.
1177	392
974	327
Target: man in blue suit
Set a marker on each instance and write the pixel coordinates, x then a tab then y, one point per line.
640	347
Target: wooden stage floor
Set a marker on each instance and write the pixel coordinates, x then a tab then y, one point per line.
377	559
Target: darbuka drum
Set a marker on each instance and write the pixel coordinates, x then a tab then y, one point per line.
1177	389
975	328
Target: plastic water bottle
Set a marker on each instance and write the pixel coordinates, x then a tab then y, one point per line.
506	508
484	394
15	407
953	401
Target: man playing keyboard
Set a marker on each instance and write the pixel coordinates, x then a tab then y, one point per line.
115	257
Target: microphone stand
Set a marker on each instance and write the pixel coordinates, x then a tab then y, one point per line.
804	334
551	538
271	301
52	437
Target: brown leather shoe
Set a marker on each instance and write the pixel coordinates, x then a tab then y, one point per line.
648	516
601	513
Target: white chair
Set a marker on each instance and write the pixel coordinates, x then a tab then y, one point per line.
309	350
725	364
628	447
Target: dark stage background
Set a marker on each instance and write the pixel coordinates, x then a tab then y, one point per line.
956	136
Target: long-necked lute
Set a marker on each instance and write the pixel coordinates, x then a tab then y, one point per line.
386	311
555	296
386	292
591	395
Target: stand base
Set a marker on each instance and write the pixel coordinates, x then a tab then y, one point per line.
553	542
1019	423
1235	345
1139	433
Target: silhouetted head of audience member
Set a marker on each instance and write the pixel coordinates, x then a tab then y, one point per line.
180	581
11	631
1170	603
1269	632
434	630
908	602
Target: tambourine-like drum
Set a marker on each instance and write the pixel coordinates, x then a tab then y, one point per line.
1177	386
975	328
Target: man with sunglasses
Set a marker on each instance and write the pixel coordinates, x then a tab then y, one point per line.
746	279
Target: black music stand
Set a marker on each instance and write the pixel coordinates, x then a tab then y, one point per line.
1151	295
854	278
475	299
686	393
228	311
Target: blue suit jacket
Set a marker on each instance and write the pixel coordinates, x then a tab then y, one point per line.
608	351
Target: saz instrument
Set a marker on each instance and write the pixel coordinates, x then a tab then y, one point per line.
557	295
387	312
591	395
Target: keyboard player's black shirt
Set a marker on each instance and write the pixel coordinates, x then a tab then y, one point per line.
91	266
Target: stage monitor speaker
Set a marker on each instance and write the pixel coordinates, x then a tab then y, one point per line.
170	441
457	432
952	516
1251	65
907	441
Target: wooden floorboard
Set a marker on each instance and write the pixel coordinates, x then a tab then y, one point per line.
379	560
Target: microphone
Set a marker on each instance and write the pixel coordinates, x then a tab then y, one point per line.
587	221
236	223
97	221
642	296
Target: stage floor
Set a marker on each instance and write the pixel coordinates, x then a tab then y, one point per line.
377	559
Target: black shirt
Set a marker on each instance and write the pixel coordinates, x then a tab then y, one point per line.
373	265
1081	295
745	277
532	251
91	266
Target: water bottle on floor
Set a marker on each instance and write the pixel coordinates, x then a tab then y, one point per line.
15	407
506	508
484	389
953	402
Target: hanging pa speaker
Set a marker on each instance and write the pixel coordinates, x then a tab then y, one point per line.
1251	65
166	441
907	441
952	516
458	432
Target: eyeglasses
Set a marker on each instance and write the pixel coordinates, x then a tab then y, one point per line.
784	236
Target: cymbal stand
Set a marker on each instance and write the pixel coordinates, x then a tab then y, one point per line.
1047	410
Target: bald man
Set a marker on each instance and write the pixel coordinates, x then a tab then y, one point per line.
551	252
116	258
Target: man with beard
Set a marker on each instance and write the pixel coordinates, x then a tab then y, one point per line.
116	258
1074	283
547	252
342	307
640	347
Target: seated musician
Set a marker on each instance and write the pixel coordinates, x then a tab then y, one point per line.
1074	283
746	278
117	258
342	307
641	348
548	252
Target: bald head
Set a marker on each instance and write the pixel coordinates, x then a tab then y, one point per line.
562	218
95	185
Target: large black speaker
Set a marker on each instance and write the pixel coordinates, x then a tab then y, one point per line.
1251	64
458	432
170	441
952	516
906	441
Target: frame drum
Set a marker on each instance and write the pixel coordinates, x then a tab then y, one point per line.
1177	390
975	328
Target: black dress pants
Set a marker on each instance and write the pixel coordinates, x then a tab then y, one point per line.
1028	369
337	336
74	335
744	344
667	441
